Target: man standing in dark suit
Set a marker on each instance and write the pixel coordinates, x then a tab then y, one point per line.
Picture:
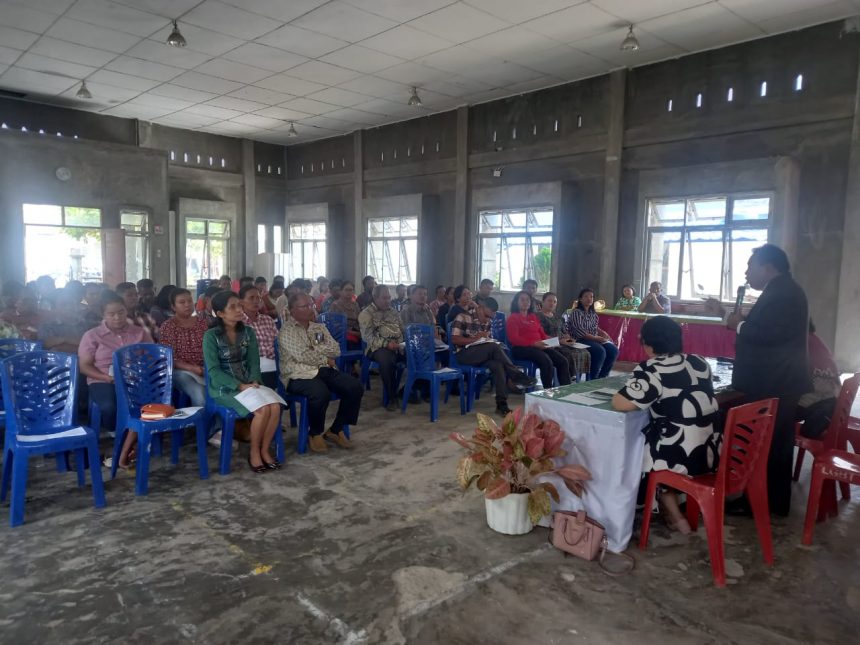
771	358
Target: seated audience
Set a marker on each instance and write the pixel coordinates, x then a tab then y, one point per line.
442	312
400	297
483	296
439	300
95	358
75	288
368	283
582	325
530	287
684	435
204	305
25	314
307	367
232	358
45	291
145	294
418	312
128	292
628	301
162	309
246	281
474	323
225	282
63	326
525	337
10	293
347	306
462	298
714	308
8	330
320	287
183	333
655	302
324	302
265	330
815	408
579	360
382	330
270	299
262	285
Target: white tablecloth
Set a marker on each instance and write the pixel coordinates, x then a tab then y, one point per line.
610	444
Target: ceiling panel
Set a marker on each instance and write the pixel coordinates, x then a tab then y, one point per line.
785	22
361	59
701	27
407	42
342	97
257	120
230	20
606	47
155	51
580	21
233	103
212	111
123	80
160	102
26	80
459	22
503	44
9	55
199	39
400	10
82	33
516	11
412	73
56	7
186	120
116	17
301	41
636	12
69	51
103	94
343	21
451	60
756	11
54	66
233	71
265	57
320	72
16	38
206	83
309	106
290	85
166	8
21	16
283	114
283	10
183	93
144	68
260	95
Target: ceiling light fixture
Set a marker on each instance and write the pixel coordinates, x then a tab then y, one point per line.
83	92
292	131
630	42
414	100
176	39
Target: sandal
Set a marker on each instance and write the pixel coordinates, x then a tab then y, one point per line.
257	469
272	465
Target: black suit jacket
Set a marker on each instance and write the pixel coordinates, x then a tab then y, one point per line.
771	347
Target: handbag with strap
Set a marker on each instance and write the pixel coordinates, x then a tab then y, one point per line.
579	535
156	411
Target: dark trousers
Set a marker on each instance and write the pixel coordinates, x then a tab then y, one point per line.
318	391
491	356
545	359
270	380
388	360
603	357
104	396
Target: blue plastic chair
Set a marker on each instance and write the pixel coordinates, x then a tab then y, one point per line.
474	376
143	374
10	347
40	390
421	365
336	325
368	364
500	333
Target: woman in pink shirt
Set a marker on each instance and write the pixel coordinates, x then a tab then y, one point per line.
526	338
95	358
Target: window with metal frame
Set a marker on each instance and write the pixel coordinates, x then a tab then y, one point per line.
516	245
698	247
308	250
136	226
392	249
207	249
64	242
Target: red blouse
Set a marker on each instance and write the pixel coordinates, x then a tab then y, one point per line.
524	331
186	342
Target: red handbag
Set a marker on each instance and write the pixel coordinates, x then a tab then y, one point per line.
579	535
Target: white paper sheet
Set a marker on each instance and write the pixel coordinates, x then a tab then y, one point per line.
580	346
551	342
255	398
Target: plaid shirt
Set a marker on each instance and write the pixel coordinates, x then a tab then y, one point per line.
304	351
467	325
379	327
266	331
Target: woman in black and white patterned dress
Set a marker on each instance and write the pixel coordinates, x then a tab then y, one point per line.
684	434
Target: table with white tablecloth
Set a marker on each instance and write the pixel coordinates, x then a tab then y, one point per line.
609	443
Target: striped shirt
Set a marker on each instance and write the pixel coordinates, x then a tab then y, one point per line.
580	323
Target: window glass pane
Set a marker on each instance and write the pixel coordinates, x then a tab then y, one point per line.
666	214
318	259
756	208
491	223
707	212
390	227
664	259
196	267
374	257
133	222
219	228
409	226
63	253
43	214
318	230
491	259
261	238
411	273
513	263
742	244
83	216
515	223
136	257
278	239
217	258
541	262
195	227
541	221
703	265
375	227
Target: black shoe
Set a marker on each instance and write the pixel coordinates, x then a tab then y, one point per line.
257	469
523	379
392	406
739	507
502	408
272	465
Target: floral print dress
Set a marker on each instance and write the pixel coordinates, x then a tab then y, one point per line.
684	435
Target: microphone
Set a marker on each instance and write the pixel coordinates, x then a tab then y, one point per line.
740	299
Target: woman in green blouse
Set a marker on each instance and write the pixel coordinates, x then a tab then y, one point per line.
628	301
232	358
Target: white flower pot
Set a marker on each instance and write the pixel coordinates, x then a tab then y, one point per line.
510	514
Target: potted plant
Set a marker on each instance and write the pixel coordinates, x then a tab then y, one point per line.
506	462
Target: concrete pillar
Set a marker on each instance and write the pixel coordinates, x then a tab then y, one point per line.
612	185
358	199
847	347
462	219
249	179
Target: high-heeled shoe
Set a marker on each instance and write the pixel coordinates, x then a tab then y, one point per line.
272	465
257	469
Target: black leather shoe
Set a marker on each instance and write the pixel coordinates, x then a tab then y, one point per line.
502	409
272	465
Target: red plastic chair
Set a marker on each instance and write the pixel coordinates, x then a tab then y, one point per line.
842	429
834	465
743	469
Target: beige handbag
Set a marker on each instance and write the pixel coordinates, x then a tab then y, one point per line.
579	535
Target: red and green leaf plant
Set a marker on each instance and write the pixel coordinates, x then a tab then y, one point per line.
509	459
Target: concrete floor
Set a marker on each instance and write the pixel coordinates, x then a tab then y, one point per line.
378	545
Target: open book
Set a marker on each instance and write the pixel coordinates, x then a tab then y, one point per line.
481	341
255	398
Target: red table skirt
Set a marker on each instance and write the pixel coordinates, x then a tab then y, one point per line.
705	339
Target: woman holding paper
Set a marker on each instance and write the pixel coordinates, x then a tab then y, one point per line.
582	325
232	358
578	358
527	340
